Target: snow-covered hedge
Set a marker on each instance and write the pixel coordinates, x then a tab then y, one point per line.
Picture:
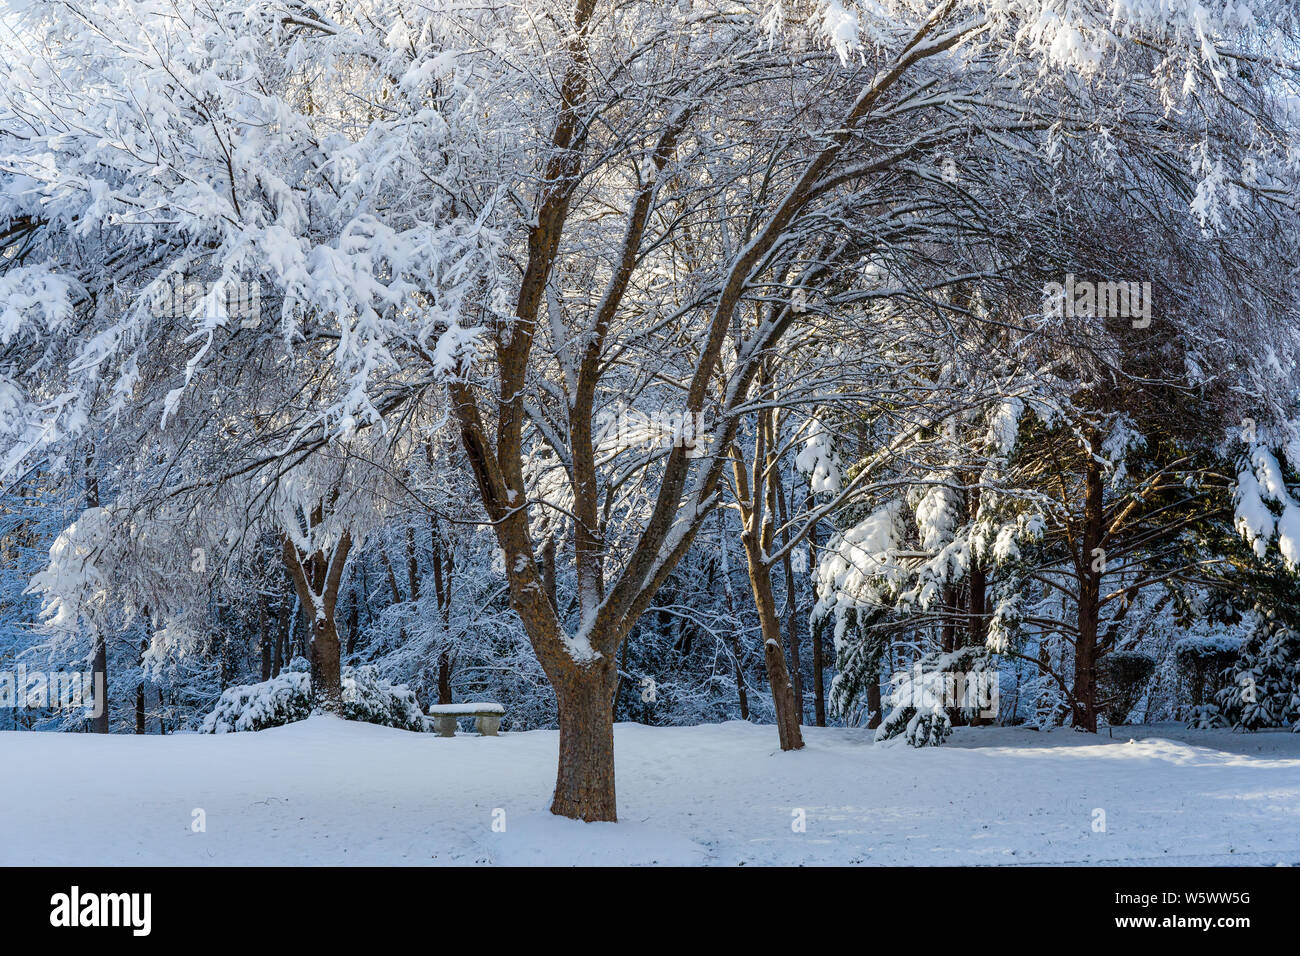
287	697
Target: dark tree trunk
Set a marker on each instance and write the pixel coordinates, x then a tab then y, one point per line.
444	676
819	656
264	637
353	622
281	635
791	605
874	703
139	708
99	668
948	633
99	678
1085	648
733	641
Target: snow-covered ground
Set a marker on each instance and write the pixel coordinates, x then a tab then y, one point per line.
329	791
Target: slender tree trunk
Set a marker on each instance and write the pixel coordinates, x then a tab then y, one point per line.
756	513
948	633
733	641
99	724
778	677
139	694
264	637
791	605
444	676
819	657
281	634
584	783
1090	572
874	703
99	679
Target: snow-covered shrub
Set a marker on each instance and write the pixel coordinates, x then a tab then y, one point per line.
281	700
286	698
925	698
370	698
1262	688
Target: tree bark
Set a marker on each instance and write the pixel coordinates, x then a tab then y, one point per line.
778	677
317	578
756	498
139	692
99	668
791	624
584	782
733	641
1085	648
819	657
264	637
99	679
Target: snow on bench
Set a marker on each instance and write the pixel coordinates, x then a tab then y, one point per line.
487	717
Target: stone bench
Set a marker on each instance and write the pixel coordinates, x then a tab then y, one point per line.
487	717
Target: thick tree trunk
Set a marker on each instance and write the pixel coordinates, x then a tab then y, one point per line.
1090	573
316	579
584	783
326	670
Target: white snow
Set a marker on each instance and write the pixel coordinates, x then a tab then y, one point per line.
485	707
326	791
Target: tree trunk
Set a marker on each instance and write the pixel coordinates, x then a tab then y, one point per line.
791	624
264	637
733	641
281	635
99	669
326	670
1090	572
948	632
819	656
584	782
316	578
444	676
778	677
99	680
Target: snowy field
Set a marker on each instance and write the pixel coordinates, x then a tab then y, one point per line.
328	792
